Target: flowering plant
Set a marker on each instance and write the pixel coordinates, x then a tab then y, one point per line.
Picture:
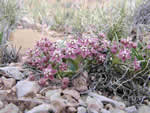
57	62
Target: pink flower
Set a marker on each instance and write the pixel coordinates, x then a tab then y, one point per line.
84	51
136	64
57	55
125	42
148	46
63	67
114	48
71	53
124	54
101	58
49	72
133	45
105	44
72	43
42	81
65	82
102	35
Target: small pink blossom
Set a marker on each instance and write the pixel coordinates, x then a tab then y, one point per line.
148	46
71	53
65	82
114	48
84	51
102	35
42	81
57	55
63	67
124	54
133	44
49	72
101	58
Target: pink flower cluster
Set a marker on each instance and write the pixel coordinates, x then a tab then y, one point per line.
51	59
123	51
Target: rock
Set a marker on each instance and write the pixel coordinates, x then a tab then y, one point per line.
12	72
109	107
1	104
81	110
80	83
71	110
51	93
82	103
131	109
105	111
43	108
144	109
101	98
93	105
9	83
10	108
72	93
117	111
25	88
59	104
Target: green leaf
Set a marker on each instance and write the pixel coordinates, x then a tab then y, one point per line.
135	53
68	73
115	60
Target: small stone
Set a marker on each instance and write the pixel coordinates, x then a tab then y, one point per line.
51	93
13	72
72	93
9	83
81	110
93	105
59	104
109	107
1	104
81	102
14	89
80	83
131	109
43	108
117	111
105	111
144	109
71	110
25	88
10	108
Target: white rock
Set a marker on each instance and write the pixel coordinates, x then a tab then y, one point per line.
25	88
105	111
131	109
10	108
41	108
1	104
12	72
144	109
51	93
72	93
119	105
117	111
81	110
93	105
9	83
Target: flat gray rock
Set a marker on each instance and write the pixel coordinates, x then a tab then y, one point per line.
10	108
25	88
12	72
43	108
